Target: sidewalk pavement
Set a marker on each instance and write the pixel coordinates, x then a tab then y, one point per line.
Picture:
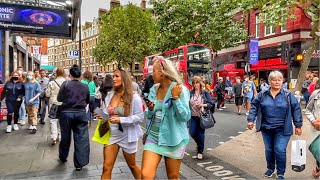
31	156
247	153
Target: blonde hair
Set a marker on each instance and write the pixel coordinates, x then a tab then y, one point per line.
168	69
315	79
33	80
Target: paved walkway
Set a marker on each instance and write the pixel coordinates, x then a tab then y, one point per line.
31	156
246	152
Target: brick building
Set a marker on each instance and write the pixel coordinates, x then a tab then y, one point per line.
58	48
231	61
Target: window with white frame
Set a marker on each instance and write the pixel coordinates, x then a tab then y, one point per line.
269	30
257	26
284	27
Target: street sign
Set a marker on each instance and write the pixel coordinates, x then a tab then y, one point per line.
73	54
254	51
35	50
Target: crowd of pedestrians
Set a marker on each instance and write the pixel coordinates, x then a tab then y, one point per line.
167	105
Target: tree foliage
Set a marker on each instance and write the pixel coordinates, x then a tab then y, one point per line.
277	11
209	22
126	36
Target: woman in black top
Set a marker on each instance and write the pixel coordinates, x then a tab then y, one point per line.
13	92
106	86
74	96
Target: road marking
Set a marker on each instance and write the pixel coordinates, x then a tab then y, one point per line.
219	171
240	132
209	149
221	142
231	137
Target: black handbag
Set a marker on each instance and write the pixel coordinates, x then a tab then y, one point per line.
207	120
104	128
54	109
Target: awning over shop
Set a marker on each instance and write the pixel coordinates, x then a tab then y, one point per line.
48	68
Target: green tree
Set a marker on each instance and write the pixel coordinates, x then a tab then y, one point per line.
278	11
208	22
126	36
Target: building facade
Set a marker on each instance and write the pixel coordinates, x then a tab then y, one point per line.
295	32
58	49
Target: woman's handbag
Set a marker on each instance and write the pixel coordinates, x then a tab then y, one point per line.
104	128
207	120
314	148
54	111
98	136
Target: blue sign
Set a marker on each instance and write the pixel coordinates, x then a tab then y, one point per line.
254	51
1	33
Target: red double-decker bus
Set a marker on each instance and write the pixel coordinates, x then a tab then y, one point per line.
190	60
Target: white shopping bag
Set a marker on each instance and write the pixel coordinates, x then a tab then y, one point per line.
298	155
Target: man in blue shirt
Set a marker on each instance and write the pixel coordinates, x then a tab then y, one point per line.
249	91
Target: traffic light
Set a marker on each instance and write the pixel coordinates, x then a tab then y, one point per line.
300	57
282	51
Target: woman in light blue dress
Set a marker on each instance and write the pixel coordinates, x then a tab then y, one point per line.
168	112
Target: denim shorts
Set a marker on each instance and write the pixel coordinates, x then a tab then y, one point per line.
247	100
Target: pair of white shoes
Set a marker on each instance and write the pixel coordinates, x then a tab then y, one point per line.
10	127
22	122
199	156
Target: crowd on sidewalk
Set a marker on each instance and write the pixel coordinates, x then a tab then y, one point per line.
72	99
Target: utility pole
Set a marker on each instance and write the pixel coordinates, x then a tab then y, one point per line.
80	42
247	67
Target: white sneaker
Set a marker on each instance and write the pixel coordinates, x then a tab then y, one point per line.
94	119
223	107
304	110
19	121
9	129
22	122
34	127
15	127
30	127
199	156
247	113
220	109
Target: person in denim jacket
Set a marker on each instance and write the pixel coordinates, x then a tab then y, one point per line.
274	110
200	98
168	110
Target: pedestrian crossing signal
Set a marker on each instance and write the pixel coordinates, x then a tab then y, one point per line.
299	57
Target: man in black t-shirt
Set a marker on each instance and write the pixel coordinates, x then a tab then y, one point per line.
237	91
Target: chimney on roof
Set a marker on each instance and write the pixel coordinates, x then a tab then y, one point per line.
114	4
143	4
102	12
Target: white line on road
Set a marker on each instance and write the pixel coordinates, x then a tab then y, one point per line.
209	149
240	132
221	142
231	137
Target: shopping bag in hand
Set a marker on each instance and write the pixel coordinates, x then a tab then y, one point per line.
298	155
104	139
314	148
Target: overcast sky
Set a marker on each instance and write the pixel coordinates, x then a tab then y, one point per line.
90	7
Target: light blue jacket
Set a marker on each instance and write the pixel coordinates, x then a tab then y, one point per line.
175	114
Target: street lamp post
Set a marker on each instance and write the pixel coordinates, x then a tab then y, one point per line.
80	47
